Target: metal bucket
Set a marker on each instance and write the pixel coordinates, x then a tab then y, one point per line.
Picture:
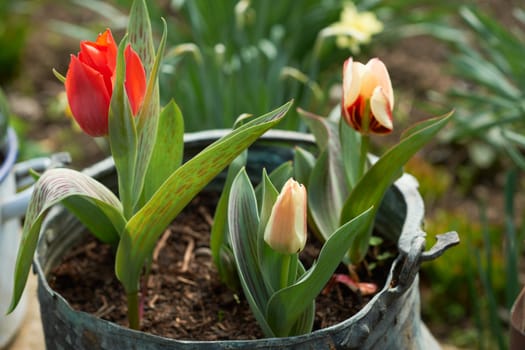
391	320
9	240
13	206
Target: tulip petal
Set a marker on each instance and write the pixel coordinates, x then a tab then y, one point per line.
101	56
135	82
286	228
352	72
96	57
106	39
87	97
381	112
378	68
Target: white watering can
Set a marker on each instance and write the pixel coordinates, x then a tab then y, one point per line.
13	206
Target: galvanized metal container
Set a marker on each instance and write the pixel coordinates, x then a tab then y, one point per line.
13	205
9	241
391	320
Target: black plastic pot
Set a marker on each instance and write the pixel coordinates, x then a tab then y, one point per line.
391	320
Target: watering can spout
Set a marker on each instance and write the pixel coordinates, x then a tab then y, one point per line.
15	206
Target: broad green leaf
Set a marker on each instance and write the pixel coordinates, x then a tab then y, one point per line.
123	136
286	305
350	146
305	321
147	122
140	34
320	128
219	230
168	150
277	177
422	125
270	262
325	207
303	163
53	187
243	219
371	188
95	220
327	185
145	227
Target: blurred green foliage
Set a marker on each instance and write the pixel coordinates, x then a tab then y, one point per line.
13	32
487	64
232	57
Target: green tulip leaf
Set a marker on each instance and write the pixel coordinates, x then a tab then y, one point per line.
140	34
350	145
219	229
327	185
270	261
372	186
168	151
78	192
146	226
277	177
303	164
243	219
123	136
147	122
286	306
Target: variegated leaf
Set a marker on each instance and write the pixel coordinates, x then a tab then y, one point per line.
80	191
372	186
123	136
144	228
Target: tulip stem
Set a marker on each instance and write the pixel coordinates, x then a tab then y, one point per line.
365	143
285	270
133	310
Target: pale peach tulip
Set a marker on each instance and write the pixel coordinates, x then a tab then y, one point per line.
286	228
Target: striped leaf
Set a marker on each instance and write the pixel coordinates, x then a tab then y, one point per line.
78	192
373	185
145	227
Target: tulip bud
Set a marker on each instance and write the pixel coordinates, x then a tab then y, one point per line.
90	80
368	98
286	229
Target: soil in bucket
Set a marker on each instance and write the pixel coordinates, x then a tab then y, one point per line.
184	297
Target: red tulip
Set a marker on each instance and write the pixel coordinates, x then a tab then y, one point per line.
90	80
286	228
368	98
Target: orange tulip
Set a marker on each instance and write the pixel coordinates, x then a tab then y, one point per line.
90	80
285	231
368	98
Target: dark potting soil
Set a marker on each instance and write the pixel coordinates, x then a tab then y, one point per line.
185	298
